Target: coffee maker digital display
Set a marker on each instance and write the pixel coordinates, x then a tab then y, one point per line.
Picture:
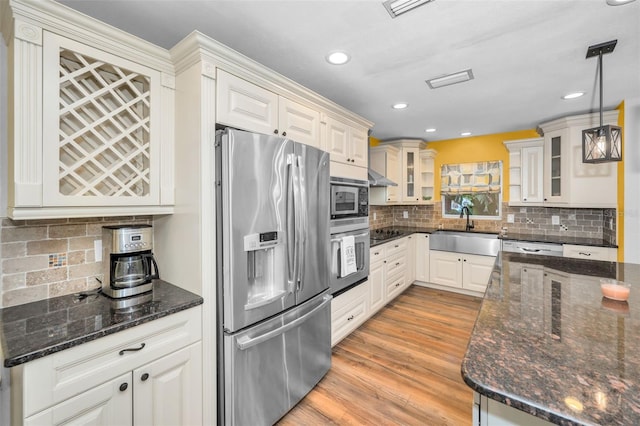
128	262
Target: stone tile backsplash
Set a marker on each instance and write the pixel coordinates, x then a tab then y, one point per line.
48	258
588	223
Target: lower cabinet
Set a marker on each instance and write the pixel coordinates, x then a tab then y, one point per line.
489	412
608	254
422	257
348	311
148	374
465	271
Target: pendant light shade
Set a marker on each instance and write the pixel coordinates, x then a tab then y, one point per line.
603	143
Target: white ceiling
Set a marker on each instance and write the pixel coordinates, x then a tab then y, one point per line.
525	54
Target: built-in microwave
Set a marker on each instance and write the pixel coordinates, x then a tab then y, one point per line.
349	198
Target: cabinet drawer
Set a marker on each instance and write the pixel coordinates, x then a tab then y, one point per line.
396	264
395	285
348	311
377	254
62	375
589	252
395	247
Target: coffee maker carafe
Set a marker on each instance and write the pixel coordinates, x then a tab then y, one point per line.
129	265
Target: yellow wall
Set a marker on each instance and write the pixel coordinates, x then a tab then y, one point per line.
477	148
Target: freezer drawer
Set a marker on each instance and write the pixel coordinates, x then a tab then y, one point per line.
270	367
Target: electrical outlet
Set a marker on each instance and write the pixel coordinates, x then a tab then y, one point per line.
375	215
511	218
97	250
405	214
611	224
555	220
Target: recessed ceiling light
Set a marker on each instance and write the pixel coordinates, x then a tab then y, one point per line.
430	130
400	105
618	2
573	95
447	80
338	57
465	134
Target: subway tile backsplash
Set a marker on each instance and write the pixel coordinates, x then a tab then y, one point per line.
48	258
588	223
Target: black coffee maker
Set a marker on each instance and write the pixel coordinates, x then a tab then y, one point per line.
128	262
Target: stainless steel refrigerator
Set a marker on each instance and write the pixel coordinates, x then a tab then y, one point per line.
274	331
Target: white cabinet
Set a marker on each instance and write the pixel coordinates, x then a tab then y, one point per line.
91	133
411	258
567	180
427	175
422	257
386	161
402	161
464	271
376	278
526	165
248	106
346	143
489	412
148	374
105	405
348	311
608	254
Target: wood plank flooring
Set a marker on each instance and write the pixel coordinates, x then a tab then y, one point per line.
401	367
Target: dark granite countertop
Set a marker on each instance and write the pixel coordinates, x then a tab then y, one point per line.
37	329
558	239
546	342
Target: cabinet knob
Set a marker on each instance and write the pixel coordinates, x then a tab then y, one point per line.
397	263
123	387
464	260
275	132
426	236
545	199
459	260
350	318
284	133
144	377
524	199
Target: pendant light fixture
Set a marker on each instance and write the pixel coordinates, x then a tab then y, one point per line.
601	144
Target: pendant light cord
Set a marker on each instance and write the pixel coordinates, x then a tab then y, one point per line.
600	66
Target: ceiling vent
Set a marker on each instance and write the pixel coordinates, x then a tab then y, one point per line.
450	79
398	7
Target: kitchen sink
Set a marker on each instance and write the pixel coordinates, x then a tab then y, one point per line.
485	244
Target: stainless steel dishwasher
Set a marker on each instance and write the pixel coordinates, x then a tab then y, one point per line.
527	247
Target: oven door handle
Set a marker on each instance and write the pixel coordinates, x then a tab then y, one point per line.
337	240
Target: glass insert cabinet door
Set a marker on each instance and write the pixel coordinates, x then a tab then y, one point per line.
410	170
556	167
100	126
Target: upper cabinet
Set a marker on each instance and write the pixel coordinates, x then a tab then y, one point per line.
408	164
347	145
549	171
247	106
91	129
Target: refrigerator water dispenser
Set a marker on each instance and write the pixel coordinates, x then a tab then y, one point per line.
264	280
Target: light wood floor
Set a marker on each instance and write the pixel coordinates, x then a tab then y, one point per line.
401	367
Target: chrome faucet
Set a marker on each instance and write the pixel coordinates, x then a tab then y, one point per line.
469	226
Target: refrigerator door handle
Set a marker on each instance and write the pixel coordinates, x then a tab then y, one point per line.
297	219
302	211
290	223
246	342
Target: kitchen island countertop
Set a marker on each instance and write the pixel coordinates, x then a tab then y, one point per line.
41	328
546	342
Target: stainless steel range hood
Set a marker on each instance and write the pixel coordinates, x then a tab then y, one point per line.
376	179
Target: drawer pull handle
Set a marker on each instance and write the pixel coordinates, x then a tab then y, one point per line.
397	246
376	253
584	254
397	284
397	263
144	377
350	318
131	349
123	387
